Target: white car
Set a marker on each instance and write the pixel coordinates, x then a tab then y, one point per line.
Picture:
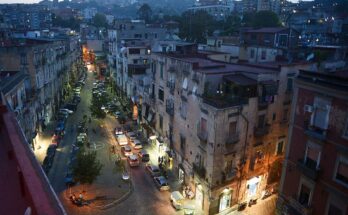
122	140
66	111
136	144
133	160
126	150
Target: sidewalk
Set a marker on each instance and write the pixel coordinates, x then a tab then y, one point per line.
43	141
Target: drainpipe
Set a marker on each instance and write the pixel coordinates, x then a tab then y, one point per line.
244	151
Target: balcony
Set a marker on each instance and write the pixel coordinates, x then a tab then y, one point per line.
232	139
294	207
308	170
315	132
199	170
261	131
170	109
171	86
224	101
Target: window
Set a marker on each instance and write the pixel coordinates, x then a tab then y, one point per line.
283	40
334	210
232	128
290	84
263	55
341	173
184	84
280	147
285	115
345	130
182	143
312	156
261	122
160	121
160	95
320	116
161	70
304	196
274	116
183	110
252	53
203	127
134	51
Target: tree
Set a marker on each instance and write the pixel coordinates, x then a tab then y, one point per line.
66	23
196	26
231	24
266	19
96	105
99	20
145	12
87	168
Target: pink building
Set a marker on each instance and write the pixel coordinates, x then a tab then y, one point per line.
315	173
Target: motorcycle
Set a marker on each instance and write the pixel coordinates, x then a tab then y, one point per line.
252	202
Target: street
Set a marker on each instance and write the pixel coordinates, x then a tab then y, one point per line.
145	199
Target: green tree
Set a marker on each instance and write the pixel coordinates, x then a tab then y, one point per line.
195	27
96	105
99	20
261	19
231	24
87	168
145	12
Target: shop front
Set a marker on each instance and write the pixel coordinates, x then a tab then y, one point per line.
225	199
253	185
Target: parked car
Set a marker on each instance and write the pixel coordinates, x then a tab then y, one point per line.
51	151
153	170
117	114
62	114
136	144
144	156
71	106
64	110
118	131
131	136
133	160
126	150
161	183
122	140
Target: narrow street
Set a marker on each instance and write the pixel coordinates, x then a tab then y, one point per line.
145	199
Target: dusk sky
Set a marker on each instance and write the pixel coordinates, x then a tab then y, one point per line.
35	1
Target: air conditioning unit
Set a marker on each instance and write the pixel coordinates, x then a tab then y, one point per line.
308	108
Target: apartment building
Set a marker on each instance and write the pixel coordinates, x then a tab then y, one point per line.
49	64
267	44
315	172
222	126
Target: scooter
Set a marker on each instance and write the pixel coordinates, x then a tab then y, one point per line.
252	202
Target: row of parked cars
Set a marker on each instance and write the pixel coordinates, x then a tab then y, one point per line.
132	148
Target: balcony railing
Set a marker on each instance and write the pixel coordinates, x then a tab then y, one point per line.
199	170
224	101
309	171
315	132
232	139
261	131
301	209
